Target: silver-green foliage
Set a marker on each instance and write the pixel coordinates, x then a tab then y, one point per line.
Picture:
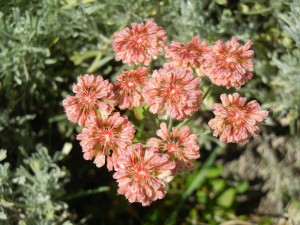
290	23
44	46
37	36
286	84
28	194
285	89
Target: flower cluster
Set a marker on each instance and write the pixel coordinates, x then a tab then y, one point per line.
189	55
106	138
235	121
172	92
93	95
230	64
140	43
128	88
143	174
180	144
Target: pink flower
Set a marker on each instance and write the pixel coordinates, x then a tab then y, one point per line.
188	55
128	88
138	44
92	93
235	121
142	175
106	138
174	92
230	64
180	144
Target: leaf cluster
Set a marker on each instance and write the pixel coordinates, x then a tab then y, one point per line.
29	194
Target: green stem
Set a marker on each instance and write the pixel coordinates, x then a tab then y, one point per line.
141	129
87	192
207	92
144	132
170	123
186	121
205	133
197	182
150	119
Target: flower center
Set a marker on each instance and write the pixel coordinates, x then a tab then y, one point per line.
172	148
139	41
88	99
230	59
141	172
130	85
231	62
239	115
172	90
106	136
236	116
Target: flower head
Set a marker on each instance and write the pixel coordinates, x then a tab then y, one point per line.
128	87
173	91
234	121
92	93
143	174
106	138
230	64
180	144
189	55
138	44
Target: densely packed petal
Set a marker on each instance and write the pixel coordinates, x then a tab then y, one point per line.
128	88
104	138
173	92
230	64
92	93
189	55
140	43
143	174
236	122
180	144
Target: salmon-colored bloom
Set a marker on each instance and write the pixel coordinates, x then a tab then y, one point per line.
230	64
143	174
128	88
92	93
140	43
173	92
235	121
189	55
105	138
180	144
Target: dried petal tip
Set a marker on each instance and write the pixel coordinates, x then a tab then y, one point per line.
92	93
140	43
236	122
143	174
230	64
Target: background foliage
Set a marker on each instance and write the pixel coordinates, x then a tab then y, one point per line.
45	45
